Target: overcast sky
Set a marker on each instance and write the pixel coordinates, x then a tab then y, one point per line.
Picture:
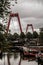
30	11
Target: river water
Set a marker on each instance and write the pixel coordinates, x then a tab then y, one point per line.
16	61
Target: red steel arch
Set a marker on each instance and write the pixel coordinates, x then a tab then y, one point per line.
14	15
29	25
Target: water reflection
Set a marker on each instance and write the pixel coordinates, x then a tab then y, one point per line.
15	61
3	61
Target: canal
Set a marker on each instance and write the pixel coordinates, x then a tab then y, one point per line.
15	61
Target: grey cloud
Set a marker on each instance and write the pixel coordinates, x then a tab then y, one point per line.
39	1
28	9
37	22
30	12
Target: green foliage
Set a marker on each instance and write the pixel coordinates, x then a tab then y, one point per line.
41	38
15	55
2	38
1	27
35	34
4	6
29	35
15	36
22	35
9	37
41	35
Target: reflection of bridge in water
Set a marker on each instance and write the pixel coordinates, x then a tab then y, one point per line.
27	53
16	61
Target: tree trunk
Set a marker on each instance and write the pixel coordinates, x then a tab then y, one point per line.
8	59
20	60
